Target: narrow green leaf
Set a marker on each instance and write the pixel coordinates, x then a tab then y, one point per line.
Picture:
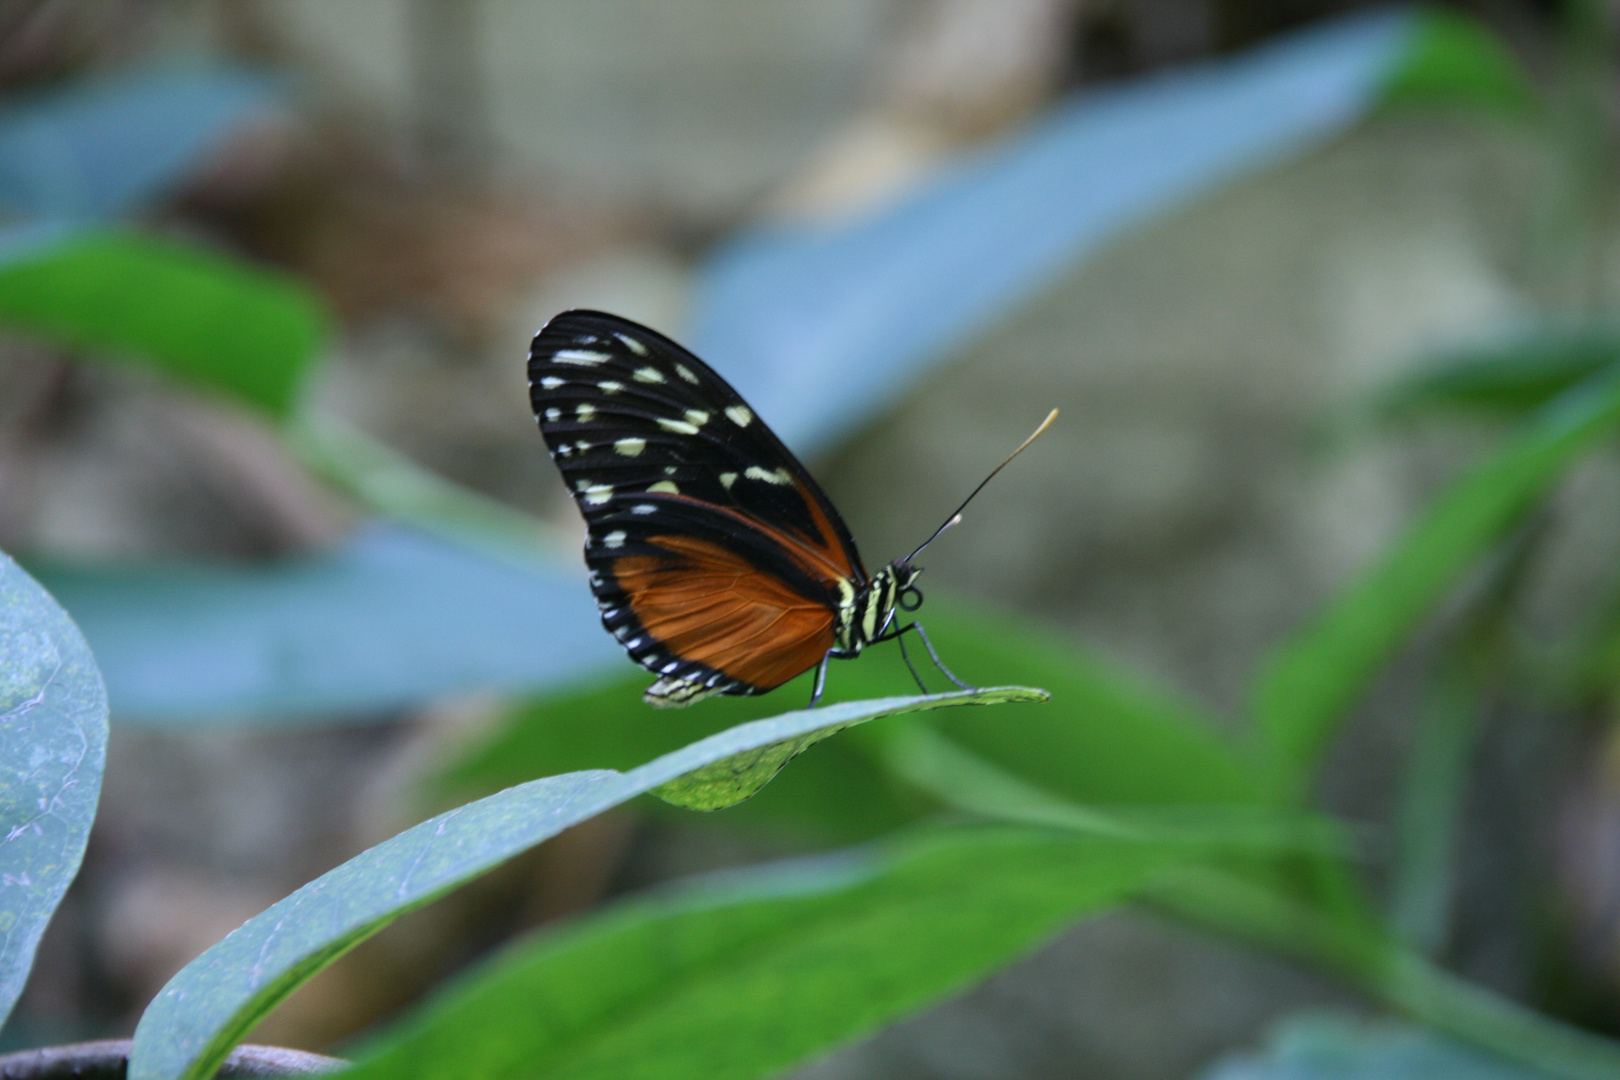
216	999
1506	379
392	484
964	781
745	980
1402	980
206	319
1310	685
53	748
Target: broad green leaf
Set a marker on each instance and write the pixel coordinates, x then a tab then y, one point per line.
1105	738
1452	59
1309	686
53	748
1109	737
216	999
747	979
206	319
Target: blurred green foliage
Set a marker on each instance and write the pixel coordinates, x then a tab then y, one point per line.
206	319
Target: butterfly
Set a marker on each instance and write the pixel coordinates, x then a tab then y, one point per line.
716	559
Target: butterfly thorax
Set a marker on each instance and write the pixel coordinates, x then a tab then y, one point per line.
866	611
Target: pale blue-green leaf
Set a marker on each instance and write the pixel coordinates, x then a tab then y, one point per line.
53	747
390	618
107	146
212	1003
1330	1047
822	326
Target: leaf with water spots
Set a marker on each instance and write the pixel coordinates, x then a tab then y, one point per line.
53	747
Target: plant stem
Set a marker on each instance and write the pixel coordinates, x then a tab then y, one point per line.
391	483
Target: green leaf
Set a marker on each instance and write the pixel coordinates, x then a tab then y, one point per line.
216	999
964	781
744	980
53	748
1104	739
1109	737
1309	686
1455	60
203	318
734	778
1506	379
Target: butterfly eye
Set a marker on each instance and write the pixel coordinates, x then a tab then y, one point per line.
910	598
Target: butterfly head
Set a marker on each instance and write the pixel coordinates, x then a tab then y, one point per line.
907	596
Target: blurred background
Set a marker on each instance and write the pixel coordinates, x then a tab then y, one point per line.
268	274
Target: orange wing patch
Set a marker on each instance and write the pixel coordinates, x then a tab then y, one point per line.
712	606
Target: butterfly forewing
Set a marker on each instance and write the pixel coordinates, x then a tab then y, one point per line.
715	558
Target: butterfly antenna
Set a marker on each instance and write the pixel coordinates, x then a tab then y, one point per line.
957	515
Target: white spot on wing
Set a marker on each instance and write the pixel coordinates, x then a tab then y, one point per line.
679	427
551	382
614	539
588	357
583	412
610	387
686	373
644	508
727	479
553	415
597	494
632	344
630	447
665	487
649	375
739	415
696	417
770	476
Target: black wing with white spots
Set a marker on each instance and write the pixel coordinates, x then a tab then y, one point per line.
673	470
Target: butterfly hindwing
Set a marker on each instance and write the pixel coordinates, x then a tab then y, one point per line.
715	558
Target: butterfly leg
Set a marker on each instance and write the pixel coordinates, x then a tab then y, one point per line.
932	655
901	640
821	679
